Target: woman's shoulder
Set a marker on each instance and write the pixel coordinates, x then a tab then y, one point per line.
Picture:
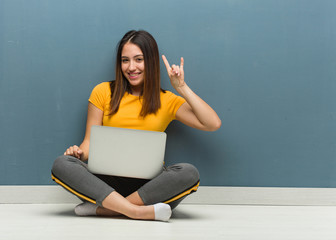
100	95
102	87
165	94
102	90
168	97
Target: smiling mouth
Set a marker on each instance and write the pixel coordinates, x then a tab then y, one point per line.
133	75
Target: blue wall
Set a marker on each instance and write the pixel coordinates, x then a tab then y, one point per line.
267	67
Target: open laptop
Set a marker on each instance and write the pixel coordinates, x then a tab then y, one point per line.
126	152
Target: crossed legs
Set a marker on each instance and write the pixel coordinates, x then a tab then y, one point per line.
144	203
105	210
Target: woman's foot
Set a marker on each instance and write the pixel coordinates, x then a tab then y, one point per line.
159	211
86	209
162	212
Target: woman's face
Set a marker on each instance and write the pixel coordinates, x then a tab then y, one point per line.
133	65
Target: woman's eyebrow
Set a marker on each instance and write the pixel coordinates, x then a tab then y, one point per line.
139	55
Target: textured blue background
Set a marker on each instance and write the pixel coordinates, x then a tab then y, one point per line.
267	67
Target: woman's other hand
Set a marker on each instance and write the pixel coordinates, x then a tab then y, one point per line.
74	151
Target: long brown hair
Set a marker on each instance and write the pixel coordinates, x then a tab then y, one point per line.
151	86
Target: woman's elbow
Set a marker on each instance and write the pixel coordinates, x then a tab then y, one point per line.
215	125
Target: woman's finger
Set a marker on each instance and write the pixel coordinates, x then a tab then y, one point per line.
77	152
73	151
176	70
182	67
166	63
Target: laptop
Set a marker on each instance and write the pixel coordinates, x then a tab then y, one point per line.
126	152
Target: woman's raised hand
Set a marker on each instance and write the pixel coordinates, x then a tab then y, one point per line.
175	73
74	151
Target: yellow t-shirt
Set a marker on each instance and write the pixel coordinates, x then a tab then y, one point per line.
130	107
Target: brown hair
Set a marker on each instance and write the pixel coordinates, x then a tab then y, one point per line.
151	86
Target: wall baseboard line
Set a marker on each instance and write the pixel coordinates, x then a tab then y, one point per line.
50	194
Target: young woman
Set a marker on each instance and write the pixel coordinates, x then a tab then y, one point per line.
135	100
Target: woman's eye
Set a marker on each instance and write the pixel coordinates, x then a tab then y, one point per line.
139	59
124	60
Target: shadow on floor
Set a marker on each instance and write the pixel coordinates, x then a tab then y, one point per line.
178	213
182	214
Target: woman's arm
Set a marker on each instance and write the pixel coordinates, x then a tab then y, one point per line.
195	112
94	117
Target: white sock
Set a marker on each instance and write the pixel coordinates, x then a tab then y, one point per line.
86	209
162	212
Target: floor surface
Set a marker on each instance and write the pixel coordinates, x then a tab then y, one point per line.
58	221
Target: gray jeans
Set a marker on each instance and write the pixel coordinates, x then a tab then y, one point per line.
171	186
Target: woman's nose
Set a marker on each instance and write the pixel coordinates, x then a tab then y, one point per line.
131	66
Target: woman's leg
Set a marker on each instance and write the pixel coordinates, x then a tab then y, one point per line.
132	198
124	186
73	175
170	187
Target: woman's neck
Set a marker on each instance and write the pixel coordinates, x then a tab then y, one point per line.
136	91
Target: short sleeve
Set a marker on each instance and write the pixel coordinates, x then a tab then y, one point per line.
100	95
174	103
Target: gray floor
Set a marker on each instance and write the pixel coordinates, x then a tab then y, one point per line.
57	221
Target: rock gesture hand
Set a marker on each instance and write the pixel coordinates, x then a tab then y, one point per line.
175	73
